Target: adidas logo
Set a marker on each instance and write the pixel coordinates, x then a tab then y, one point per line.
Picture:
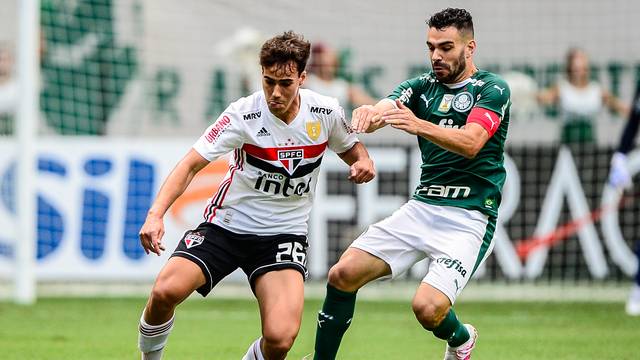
263	132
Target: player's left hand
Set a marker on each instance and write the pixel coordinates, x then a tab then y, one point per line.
402	118
362	171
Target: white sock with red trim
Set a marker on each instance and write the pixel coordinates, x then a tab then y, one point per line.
153	338
254	352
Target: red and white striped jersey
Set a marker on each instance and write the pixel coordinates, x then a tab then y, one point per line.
273	171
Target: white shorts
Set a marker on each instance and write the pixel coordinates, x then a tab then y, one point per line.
456	241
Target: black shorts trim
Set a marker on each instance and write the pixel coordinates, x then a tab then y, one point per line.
205	270
277	266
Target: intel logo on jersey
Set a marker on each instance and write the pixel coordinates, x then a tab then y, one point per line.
280	184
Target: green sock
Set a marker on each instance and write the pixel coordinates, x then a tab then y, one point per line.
452	330
333	321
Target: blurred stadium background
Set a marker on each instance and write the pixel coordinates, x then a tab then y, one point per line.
126	86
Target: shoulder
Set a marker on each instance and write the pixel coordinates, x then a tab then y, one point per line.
248	107
491	79
320	104
423	80
251	102
489	82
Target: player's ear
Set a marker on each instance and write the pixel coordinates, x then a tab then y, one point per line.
471	48
302	77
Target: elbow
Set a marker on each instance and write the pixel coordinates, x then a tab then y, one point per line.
471	151
469	155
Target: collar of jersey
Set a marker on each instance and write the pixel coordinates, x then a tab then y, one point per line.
459	84
278	122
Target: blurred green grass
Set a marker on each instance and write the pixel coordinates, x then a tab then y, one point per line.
106	328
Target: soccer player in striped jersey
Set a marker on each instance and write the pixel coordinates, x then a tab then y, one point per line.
460	116
257	221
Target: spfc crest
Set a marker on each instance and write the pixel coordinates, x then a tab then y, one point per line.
314	129
193	239
291	159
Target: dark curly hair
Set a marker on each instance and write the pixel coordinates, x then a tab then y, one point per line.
458	18
285	49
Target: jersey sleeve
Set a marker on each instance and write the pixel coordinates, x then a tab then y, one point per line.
341	135
495	96
407	92
224	135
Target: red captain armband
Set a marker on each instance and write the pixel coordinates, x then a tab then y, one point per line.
489	120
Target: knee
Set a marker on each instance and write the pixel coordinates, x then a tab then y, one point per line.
279	339
429	313
343	277
164	296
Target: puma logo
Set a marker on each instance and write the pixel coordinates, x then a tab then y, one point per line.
457	285
493	122
426	102
499	88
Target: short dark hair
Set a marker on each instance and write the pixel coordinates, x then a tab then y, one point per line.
283	49
458	18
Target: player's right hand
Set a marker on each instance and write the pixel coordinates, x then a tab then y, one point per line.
151	235
363	118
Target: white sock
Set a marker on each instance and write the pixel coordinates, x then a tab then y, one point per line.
634	295
153	338
254	352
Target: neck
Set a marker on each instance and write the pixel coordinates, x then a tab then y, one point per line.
580	82
469	71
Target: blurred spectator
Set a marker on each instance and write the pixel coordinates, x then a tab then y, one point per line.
620	177
8	91
580	100
322	78
242	48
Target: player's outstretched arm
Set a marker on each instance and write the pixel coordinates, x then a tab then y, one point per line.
367	118
176	183
467	141
361	168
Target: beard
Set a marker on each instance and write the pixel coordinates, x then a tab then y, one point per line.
455	69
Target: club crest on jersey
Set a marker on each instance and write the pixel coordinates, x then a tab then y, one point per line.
445	104
463	102
193	239
314	128
291	159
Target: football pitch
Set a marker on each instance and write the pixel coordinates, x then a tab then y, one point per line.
106	328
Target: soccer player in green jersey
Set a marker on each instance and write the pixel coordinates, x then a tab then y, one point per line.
460	115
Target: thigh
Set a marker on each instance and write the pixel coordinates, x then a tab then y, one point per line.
396	239
280	296
356	268
211	250
264	254
180	277
461	240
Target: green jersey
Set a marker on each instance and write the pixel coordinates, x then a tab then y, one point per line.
448	178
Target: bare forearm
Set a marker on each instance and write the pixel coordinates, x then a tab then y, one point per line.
357	152
465	142
175	184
